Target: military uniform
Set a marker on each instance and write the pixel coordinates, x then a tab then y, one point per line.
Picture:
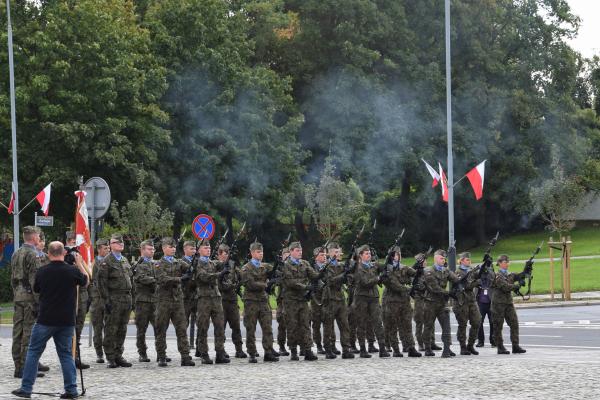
210	307
398	311
97	311
190	293
145	302
280	317
295	279
504	309
335	310
228	287
24	264
366	306
353	318
256	307
436	306
419	314
466	311
316	311
169	308
114	285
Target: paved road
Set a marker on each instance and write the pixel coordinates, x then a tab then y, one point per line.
563	360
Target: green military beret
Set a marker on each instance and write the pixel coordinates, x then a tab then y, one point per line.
168	241
502	257
318	250
256	246
440	252
204	243
223	248
464	255
189	243
101	242
333	245
396	249
295	245
362	249
149	243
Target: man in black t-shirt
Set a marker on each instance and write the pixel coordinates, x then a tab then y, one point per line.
56	284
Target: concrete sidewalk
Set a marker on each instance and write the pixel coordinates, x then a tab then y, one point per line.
545	300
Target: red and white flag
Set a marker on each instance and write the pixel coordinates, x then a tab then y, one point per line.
436	177
11	205
444	183
82	229
43	198
475	176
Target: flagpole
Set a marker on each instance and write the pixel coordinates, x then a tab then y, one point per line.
458	181
11	69
451	241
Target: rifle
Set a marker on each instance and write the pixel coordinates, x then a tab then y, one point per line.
273	276
347	267
527	274
219	243
227	268
374	257
418	266
389	259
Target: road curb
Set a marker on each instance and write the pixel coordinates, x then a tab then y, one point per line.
558	304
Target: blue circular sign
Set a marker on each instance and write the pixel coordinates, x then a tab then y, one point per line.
203	227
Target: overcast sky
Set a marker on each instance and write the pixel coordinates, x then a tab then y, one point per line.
588	40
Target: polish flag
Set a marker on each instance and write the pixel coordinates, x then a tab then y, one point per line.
43	198
11	205
444	183
82	229
476	178
433	173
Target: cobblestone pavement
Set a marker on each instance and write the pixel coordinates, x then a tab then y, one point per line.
539	374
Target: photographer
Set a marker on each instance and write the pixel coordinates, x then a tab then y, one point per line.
56	285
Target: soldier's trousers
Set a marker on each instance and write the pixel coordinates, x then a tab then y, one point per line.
189	306
335	311
485	309
297	316
316	320
210	308
398	320
258	311
367	312
115	327
501	312
23	321
281	327
82	309
419	317
231	316
97	320
353	324
144	315
467	313
439	310
169	310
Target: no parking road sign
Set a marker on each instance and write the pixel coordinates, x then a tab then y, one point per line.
203	227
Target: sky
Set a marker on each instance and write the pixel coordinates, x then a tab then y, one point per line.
588	40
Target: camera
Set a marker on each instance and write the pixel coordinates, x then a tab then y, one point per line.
70	256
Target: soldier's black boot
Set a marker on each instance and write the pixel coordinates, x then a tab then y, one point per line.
197	354
492	343
353	349
309	355
143	357
270	357
252	359
294	356
225	354
301	352
428	351
187	361
502	349
329	354
372	348
363	352
447	352
162	362
397	352
516	349
221	359
239	353
412	352
383	352
206	358
472	349
123	362
283	352
479	344
347	354
335	351
45	368
421	347
320	349
112	364
99	358
463	350
435	347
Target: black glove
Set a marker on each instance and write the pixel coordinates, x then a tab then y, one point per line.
487	259
108	308
186	277
528	267
223	273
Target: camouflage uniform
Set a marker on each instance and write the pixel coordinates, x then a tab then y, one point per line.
316	310
145	301
295	279
504	309
436	305
256	306
169	307
397	308
24	264
209	306
97	309
190	293
367	310
115	284
280	316
335	309
466	310
419	313
353	319
228	287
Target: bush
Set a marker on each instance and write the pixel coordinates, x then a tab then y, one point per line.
6	293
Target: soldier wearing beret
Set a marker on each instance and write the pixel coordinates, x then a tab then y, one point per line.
465	306
97	307
145	296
